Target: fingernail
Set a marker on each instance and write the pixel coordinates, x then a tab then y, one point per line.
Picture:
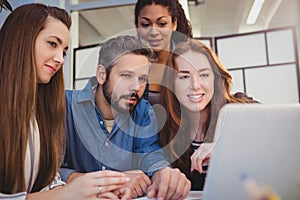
127	179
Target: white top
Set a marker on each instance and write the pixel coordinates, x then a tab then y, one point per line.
32	165
32	156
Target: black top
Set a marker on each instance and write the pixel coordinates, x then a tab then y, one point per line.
197	179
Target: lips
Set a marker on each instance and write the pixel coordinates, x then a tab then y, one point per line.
155	43
132	98
52	69
195	97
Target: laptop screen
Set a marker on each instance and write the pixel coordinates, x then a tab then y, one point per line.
259	141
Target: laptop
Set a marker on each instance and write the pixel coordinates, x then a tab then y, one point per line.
257	141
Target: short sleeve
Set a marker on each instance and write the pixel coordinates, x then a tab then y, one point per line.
17	196
57	182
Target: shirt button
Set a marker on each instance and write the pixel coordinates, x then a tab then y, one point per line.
103	168
101	122
106	143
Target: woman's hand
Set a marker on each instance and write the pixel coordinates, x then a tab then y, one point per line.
90	186
101	184
201	156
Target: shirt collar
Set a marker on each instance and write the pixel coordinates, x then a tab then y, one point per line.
87	94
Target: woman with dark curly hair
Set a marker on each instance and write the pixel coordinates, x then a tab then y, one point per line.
162	23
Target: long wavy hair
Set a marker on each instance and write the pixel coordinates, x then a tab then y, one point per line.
23	99
173	134
176	11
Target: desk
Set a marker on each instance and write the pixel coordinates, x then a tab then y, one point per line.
193	195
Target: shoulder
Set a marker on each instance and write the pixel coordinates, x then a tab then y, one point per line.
143	105
241	95
245	97
71	97
69	94
143	112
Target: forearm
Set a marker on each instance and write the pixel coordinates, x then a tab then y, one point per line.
56	193
59	192
17	196
151	156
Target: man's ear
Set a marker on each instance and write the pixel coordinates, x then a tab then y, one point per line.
101	74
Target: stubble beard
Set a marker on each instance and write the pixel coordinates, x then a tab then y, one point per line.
115	103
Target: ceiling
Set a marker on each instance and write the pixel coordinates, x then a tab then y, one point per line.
209	18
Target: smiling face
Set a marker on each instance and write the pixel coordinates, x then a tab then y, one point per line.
194	84
155	26
50	48
127	82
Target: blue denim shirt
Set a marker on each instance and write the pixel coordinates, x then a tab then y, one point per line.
132	143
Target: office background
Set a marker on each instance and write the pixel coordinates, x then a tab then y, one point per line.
263	57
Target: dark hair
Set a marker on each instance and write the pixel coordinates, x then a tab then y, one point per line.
176	11
25	99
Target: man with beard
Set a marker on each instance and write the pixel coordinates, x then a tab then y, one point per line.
110	127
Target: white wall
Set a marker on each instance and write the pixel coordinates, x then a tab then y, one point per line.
58	3
14	4
68	68
263	64
17	3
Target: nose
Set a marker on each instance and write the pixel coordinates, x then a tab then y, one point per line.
196	82
135	85
153	31
59	57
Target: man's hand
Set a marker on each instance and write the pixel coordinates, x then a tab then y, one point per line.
169	183
138	183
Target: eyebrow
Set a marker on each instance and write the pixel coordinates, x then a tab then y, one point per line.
126	71
131	72
59	41
156	20
187	72
57	38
